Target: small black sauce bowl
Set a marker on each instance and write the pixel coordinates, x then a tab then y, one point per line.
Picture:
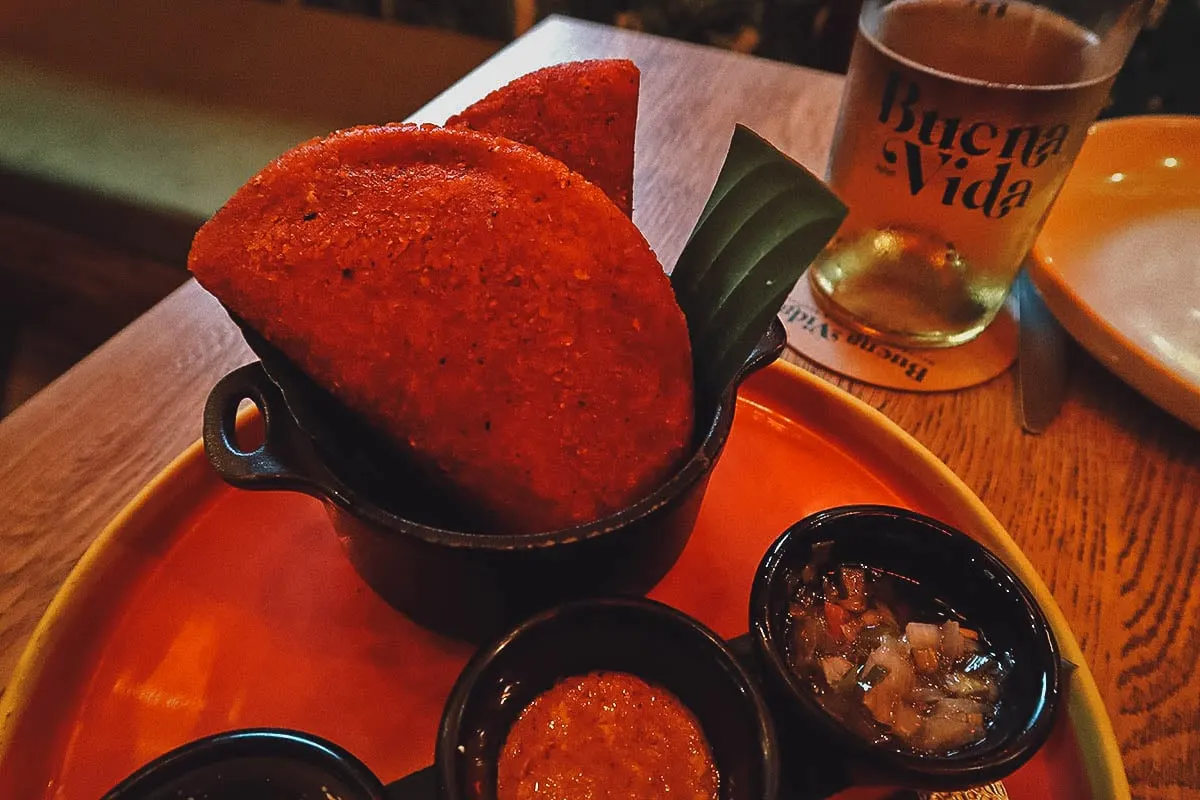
958	571
412	544
253	764
662	646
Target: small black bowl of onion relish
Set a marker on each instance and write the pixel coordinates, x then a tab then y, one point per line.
901	650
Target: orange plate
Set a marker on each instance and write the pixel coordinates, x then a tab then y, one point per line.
203	608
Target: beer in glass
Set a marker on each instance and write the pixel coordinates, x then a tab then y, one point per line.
959	123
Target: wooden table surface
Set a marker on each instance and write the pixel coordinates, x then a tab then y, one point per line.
1106	503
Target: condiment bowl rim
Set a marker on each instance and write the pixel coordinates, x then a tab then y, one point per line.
212	752
975	759
449	730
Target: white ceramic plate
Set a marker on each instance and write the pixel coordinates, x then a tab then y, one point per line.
1118	261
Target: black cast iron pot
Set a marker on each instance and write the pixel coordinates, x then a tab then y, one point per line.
412	546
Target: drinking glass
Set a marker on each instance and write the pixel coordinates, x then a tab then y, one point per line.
959	122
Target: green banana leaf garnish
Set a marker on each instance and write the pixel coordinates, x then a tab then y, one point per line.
766	220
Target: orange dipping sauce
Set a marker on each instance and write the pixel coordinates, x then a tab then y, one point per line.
608	734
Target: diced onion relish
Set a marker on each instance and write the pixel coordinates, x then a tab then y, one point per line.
891	667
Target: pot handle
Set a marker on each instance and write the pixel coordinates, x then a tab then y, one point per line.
420	785
284	461
768	349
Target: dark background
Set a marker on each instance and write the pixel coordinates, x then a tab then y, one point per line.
1161	76
64	289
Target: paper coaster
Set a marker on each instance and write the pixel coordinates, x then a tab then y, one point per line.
857	355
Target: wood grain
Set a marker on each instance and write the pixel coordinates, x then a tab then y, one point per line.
1106	503
73	455
74	285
